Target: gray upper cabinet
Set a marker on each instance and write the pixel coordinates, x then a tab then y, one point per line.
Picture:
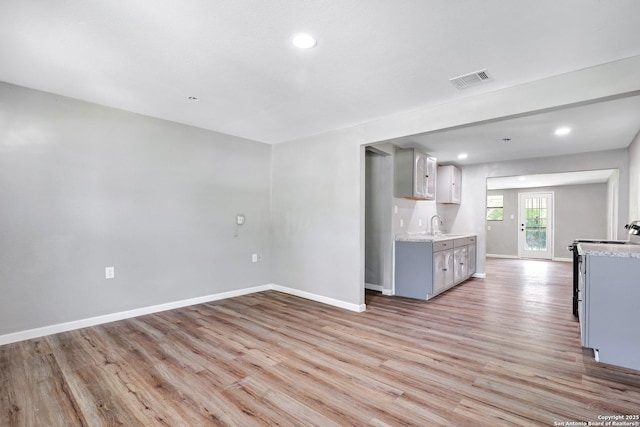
449	184
414	174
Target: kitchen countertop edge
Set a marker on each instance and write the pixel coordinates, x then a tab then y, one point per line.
609	250
424	237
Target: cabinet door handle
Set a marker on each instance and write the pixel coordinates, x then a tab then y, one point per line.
462	263
445	269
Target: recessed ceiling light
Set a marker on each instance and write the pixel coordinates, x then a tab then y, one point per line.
522	178
303	41
463	156
563	131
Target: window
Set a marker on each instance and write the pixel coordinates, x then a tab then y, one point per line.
495	207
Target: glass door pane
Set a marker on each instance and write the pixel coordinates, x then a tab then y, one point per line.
535	238
536	224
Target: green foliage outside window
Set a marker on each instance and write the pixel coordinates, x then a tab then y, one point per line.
495	214
495	207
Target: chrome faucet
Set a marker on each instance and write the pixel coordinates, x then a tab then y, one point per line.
634	227
433	227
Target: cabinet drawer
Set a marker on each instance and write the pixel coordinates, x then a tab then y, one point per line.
461	242
442	245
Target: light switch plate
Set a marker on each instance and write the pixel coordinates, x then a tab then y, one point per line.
240	219
109	272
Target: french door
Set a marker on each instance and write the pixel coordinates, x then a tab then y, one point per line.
535	225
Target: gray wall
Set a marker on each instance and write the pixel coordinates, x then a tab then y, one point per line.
502	239
580	212
83	187
318	237
634	180
613	201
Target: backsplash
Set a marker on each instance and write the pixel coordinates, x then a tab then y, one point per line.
412	216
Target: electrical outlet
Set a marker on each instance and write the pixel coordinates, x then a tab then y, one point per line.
254	257
420	222
109	272
240	219
401	223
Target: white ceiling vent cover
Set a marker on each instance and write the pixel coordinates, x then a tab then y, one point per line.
471	79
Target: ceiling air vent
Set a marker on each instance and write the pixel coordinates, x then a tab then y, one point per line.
471	79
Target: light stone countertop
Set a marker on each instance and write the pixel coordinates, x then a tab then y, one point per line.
609	250
426	237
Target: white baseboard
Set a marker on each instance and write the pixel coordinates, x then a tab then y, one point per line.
378	288
319	298
98	320
502	256
515	257
372	287
480	275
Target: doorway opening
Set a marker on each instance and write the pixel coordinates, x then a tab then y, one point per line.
522	224
378	241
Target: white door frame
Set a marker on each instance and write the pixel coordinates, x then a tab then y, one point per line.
522	252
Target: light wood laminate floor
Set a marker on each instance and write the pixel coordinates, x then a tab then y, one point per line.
500	351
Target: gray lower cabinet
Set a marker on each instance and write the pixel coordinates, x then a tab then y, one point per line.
424	269
414	269
608	308
471	248
460	264
442	270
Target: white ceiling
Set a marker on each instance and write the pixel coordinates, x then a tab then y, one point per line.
551	179
599	126
374	58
